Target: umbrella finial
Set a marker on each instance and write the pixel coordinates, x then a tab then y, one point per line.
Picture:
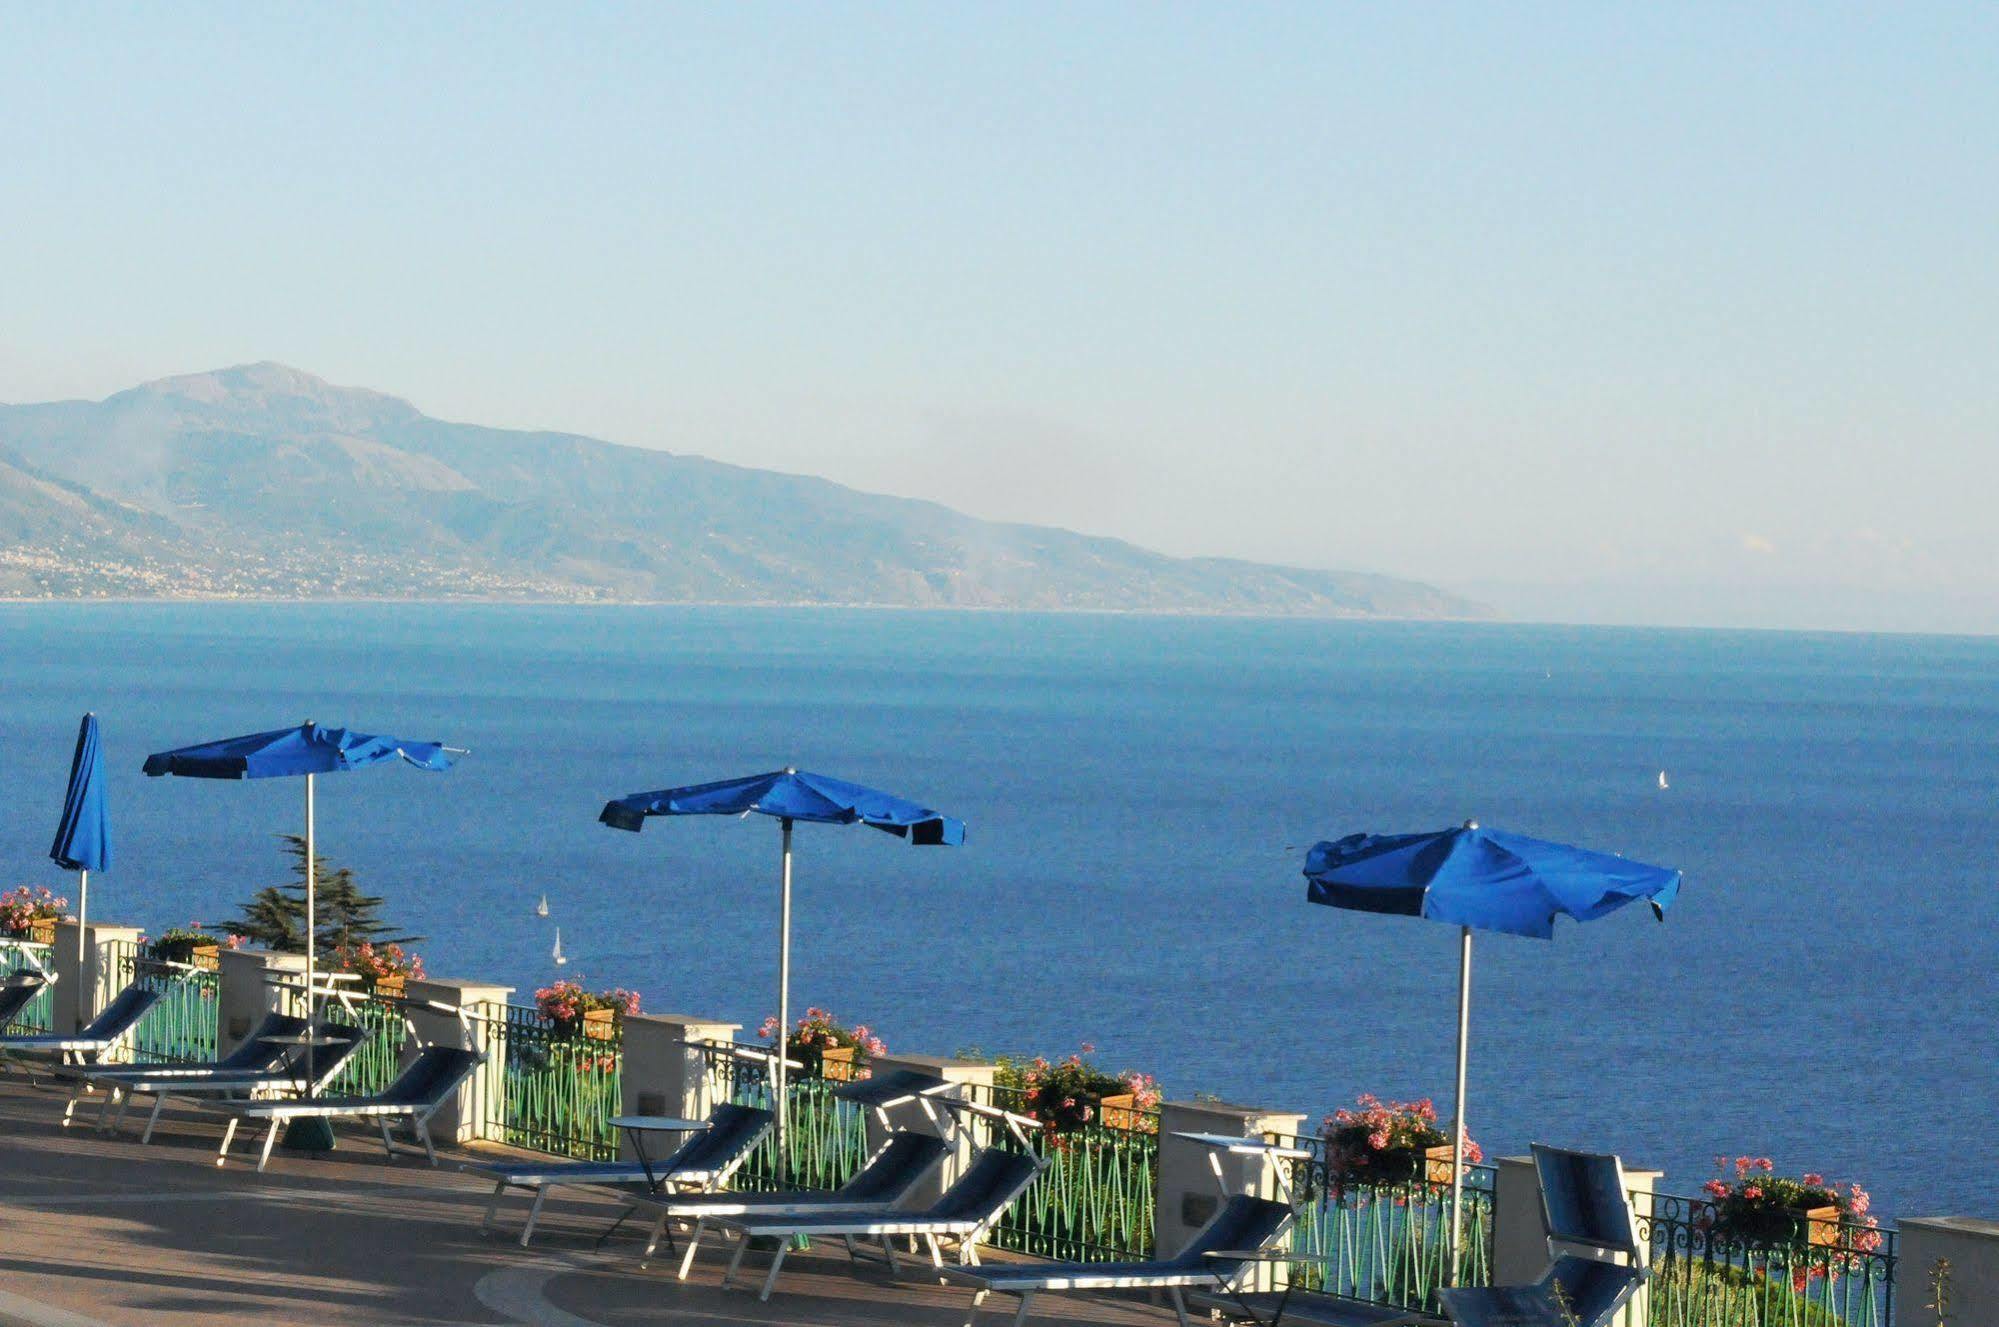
1471	824
791	769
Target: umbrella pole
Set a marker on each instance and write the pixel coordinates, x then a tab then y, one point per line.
83	981
310	865
1458	1130
783	1003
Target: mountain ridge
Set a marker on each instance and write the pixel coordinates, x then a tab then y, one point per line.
262	480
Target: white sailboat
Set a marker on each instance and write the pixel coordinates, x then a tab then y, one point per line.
557	955
541	908
1662	779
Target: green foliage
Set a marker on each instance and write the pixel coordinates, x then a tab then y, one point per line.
344	918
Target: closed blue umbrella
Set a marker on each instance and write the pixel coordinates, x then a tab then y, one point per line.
83	836
1479	879
789	795
308	750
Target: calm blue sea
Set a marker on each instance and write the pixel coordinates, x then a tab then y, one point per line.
1140	793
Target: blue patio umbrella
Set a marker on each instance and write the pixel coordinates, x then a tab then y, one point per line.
1479	879
83	836
789	795
308	750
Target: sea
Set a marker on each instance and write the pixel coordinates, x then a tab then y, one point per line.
1140	794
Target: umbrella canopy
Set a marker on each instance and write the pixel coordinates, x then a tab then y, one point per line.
789	795
83	840
1479	879
288	752
1486	879
83	836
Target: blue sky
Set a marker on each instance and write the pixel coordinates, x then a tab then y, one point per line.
1654	313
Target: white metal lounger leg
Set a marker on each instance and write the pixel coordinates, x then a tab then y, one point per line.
1179	1304
972	1314
534	1213
270	1138
653	1237
888	1251
124	1104
388	1146
776	1262
159	1104
736	1259
228	1136
1026	1300
693	1239
493	1206
422	1128
75	1097
936	1251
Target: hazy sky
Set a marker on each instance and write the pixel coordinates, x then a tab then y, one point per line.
1664	312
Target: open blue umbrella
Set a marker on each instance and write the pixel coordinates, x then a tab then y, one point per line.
308	750
789	795
83	836
1479	879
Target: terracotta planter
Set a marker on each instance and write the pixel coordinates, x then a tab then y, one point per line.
1822	1227
392	986
836	1064
206	957
42	931
600	1024
1118	1111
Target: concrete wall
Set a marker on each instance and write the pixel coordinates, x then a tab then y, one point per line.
243	996
1187	1193
973	1081
465	1117
664	1071
81	994
1971	1281
1520	1231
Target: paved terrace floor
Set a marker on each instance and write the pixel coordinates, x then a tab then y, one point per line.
95	1229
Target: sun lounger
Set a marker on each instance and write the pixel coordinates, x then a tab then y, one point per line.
1218	1252
1593	1251
288	1074
965	1212
18	991
251	1055
895	1169
418	1093
705	1161
102	1035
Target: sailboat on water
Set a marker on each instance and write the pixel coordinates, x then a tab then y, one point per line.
541	908
557	955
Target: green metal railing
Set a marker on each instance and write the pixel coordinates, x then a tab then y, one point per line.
560	1088
826	1141
1705	1276
380	1058
17	955
1095	1202
1387	1243
181	1025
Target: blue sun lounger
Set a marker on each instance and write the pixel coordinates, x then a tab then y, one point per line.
1593	1252
286	1075
99	1038
705	1161
18	991
117	1080
418	1093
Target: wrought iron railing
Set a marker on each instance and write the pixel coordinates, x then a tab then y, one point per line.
560	1089
1387	1243
826	1139
1095	1201
1820	1274
380	1058
181	1025
19	955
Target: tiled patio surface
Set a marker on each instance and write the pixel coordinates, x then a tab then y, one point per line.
95	1229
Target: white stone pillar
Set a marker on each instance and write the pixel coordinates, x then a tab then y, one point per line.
1969	1249
478	1104
971	1080
1520	1229
665	1072
243	995
1187	1194
81	996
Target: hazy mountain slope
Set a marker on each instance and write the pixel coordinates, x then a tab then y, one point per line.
262	479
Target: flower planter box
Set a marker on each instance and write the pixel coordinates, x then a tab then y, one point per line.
1822	1227
42	931
600	1024
836	1064
1118	1111
390	987
206	957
